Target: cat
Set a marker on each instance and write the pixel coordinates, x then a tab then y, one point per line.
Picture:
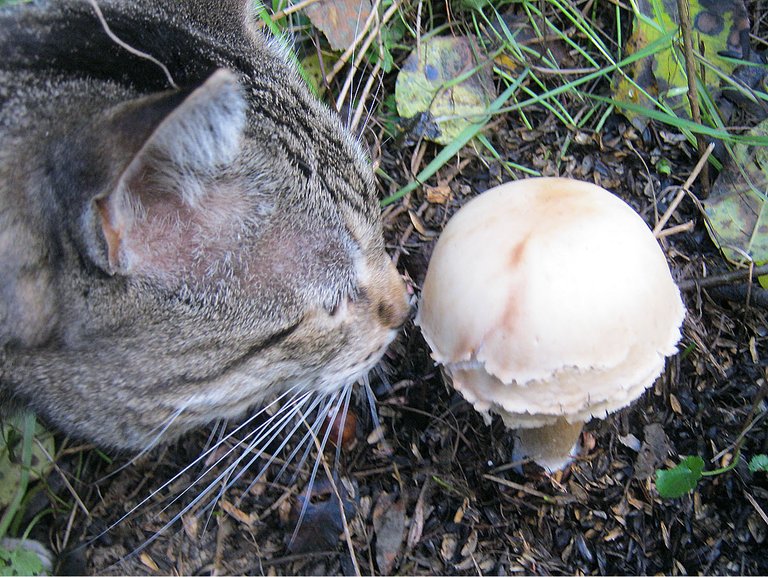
185	231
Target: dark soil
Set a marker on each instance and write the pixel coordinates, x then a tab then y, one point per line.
436	492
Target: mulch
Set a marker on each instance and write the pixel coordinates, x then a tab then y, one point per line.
433	489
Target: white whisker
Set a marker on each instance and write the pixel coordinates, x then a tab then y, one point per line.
151	445
311	433
276	429
205	454
319	446
345	395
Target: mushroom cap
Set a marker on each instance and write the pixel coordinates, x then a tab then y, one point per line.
549	297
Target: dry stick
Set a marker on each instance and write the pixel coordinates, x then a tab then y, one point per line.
344	58
683	190
722	279
757	507
291	9
752	420
128	47
361	54
558	499
684	13
677	229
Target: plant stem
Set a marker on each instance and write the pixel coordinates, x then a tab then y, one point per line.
721	470
684	15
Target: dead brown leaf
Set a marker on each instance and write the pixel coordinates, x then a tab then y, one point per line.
340	20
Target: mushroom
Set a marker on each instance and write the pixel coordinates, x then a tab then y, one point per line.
548	301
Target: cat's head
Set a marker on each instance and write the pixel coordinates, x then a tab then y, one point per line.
205	249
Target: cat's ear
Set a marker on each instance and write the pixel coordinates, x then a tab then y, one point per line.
172	144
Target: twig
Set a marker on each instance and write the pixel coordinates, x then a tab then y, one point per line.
677	229
346	55
291	9
128	47
684	14
744	293
683	190
337	493
559	499
361	54
752	420
722	279
757	507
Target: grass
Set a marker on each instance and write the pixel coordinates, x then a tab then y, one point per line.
16	450
591	34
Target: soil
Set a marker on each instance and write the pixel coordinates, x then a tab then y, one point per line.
433	489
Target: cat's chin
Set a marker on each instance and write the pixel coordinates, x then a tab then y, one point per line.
357	370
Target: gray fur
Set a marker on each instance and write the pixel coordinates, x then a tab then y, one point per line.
172	256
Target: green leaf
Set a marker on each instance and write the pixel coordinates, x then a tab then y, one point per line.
758	463
672	483
20	561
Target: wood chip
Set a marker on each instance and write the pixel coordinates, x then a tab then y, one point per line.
675	404
237	514
458	516
470	546
438	194
147	561
448	547
417	521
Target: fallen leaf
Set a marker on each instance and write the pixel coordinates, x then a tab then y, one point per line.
630	441
722	28
417	521
675	404
737	218
438	194
340	20
428	87
653	451
389	527
237	514
191	524
613	534
470	546
147	561
448	547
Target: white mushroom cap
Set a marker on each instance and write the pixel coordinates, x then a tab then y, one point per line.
549	297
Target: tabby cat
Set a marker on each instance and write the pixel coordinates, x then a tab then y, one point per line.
185	232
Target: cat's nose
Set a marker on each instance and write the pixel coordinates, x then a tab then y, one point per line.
394	306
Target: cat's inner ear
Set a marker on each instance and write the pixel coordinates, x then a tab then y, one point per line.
189	137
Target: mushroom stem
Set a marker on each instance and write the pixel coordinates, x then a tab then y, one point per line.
552	446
